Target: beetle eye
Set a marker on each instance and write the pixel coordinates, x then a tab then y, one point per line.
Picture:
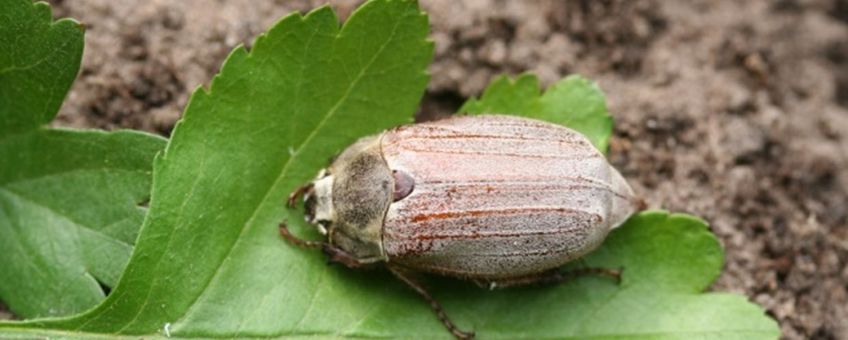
403	184
309	207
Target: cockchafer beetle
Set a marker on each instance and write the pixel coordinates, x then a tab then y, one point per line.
500	200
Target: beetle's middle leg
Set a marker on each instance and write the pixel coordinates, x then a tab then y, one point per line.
335	253
435	305
551	277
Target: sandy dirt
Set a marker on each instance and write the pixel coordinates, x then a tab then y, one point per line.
735	111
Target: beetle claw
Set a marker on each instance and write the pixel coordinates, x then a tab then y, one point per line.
459	334
614	274
462	335
617	276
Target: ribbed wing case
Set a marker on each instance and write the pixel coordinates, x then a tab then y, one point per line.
498	196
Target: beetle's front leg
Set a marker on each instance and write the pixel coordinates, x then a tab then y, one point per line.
294	195
335	253
401	274
551	277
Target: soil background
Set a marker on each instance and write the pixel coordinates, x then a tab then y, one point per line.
735	111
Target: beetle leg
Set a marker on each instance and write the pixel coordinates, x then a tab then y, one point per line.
437	308
287	235
551	277
335	253
294	195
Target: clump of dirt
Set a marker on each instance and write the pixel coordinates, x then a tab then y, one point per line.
477	40
733	111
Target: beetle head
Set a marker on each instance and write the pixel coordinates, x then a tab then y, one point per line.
318	202
348	200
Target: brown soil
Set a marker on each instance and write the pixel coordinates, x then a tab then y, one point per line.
733	111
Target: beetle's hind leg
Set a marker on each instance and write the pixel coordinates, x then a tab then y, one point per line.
435	305
551	277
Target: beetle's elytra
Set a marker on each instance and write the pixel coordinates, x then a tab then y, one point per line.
501	200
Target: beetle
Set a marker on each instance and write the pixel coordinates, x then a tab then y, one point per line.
500	200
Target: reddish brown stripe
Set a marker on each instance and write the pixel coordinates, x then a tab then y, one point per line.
454	271
519	155
550	188
491	212
496	137
477	235
539	252
445	270
423	218
516	180
503	183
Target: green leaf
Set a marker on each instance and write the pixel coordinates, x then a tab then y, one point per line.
68	199
209	256
39	60
668	260
69	215
574	102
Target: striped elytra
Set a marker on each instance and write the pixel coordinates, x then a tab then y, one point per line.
498	196
500	200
